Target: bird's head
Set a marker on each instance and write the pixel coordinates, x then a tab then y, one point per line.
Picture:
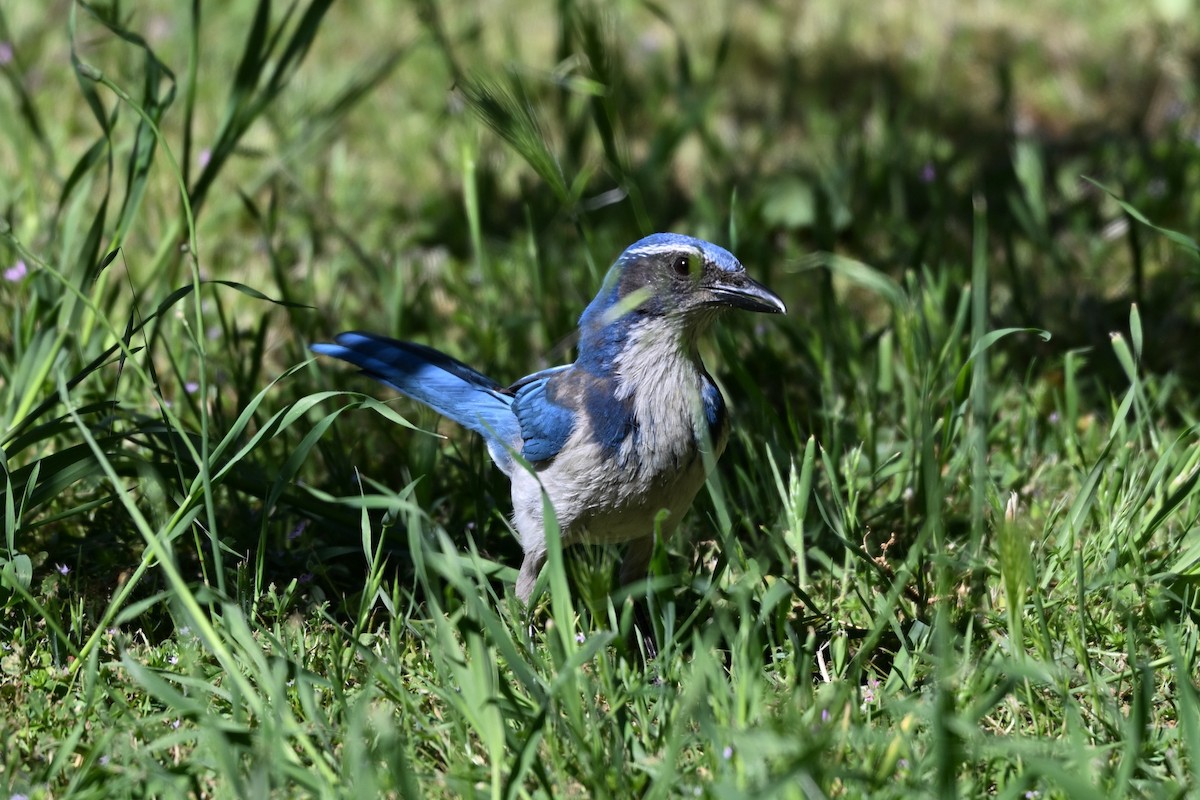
672	282
676	276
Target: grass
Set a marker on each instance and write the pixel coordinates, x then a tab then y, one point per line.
951	550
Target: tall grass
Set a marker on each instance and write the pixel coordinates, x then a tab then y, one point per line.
951	550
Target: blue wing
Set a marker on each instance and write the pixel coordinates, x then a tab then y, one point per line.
445	384
715	413
544	414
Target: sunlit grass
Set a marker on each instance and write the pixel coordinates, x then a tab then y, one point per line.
951	551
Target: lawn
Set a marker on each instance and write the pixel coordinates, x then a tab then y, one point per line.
952	549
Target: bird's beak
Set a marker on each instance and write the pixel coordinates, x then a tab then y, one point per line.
739	290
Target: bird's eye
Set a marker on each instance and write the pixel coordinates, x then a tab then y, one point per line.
682	266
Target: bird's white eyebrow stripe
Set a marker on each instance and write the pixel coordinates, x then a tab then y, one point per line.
659	249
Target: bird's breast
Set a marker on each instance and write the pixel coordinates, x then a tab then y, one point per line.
676	410
648	428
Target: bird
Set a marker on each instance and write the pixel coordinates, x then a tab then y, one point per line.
626	432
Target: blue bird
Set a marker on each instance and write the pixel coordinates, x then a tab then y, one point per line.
620	435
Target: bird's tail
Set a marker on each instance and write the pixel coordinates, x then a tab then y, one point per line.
445	384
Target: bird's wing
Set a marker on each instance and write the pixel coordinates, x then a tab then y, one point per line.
445	384
546	420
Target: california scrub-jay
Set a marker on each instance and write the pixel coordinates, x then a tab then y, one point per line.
621	434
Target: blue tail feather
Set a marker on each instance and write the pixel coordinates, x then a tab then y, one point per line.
429	376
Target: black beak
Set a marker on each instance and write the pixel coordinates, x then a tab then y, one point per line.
738	290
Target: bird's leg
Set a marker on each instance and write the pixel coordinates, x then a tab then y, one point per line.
530	568
633	569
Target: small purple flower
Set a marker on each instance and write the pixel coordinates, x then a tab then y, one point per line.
104	761
203	157
63	569
176	723
824	715
191	387
1054	418
928	173
305	578
18	270
580	638
173	660
6	55
727	753
297	531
